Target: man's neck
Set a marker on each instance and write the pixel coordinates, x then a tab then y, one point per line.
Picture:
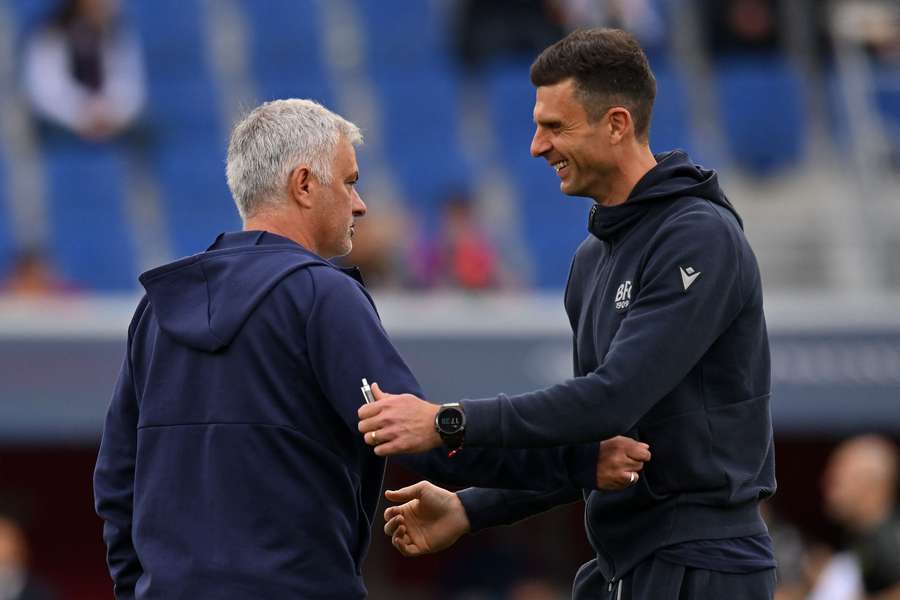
631	170
265	222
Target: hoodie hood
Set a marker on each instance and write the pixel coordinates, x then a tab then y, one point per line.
674	176
203	301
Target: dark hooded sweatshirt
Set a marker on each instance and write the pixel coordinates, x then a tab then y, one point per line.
665	302
231	466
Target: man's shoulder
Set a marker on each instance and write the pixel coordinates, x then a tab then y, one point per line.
329	283
699	213
701	224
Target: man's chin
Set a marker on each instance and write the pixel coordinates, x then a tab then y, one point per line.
569	190
347	249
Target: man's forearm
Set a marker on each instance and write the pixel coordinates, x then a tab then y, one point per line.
492	507
517	469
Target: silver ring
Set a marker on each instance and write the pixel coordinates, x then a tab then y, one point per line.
633	478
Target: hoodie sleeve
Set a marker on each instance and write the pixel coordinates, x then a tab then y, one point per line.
492	507
674	319
114	480
347	342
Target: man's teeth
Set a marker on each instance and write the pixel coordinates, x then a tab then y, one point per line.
560	165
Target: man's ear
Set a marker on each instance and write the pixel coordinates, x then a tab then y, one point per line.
299	183
620	123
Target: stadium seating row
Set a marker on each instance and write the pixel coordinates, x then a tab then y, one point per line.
417	87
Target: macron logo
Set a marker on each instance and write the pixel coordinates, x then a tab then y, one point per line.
688	276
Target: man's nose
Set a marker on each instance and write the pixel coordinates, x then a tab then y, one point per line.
539	144
359	207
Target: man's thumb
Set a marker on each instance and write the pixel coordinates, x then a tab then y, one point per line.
377	393
406	494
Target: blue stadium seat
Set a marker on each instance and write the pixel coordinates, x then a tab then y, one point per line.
887	102
553	224
421	128
761	104
187	138
90	234
183	101
285	44
403	35
670	127
195	196
28	14
6	234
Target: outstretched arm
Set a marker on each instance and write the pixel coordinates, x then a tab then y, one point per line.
668	328
344	317
431	519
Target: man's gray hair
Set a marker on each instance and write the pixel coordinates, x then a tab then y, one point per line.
274	139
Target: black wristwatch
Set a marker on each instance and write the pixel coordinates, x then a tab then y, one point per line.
450	423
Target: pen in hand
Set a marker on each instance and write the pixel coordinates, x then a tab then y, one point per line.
367	392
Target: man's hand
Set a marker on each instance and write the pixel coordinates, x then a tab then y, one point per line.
619	462
430	520
398	424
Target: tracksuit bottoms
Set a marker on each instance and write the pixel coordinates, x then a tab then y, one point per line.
658	579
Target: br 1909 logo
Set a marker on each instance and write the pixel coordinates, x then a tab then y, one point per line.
623	296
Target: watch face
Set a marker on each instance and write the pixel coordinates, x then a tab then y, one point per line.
450	420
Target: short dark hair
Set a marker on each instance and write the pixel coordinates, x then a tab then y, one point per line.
609	69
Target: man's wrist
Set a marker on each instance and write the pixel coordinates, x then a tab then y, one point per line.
450	425
435	436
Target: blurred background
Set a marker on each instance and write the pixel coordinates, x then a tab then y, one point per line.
114	118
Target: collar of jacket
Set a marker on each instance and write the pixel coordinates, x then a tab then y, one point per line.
265	238
608	222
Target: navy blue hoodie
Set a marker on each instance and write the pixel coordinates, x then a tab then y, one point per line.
231	466
665	302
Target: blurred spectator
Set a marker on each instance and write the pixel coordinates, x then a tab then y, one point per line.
33	275
378	250
874	24
790	554
504	29
859	490
643	18
535	589
83	70
742	26
16	583
461	255
837	578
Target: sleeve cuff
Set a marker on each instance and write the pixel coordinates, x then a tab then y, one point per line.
481	508
482	422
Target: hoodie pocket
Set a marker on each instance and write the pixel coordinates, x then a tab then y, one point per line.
683	459
742	437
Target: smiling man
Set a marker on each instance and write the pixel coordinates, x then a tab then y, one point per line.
665	302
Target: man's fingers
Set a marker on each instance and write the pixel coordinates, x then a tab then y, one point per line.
404	547
391	527
388	449
370	424
377	393
640	452
367	411
632	465
406	494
